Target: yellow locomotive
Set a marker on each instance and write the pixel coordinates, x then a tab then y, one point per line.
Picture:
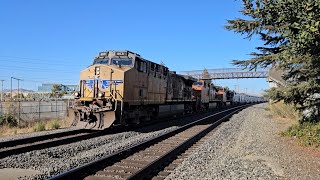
121	87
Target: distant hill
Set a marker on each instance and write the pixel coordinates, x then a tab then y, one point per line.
16	90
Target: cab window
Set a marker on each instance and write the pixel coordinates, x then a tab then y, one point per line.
101	61
141	66
122	61
152	66
197	83
165	71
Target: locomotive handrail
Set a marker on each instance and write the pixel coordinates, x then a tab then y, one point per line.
120	101
116	100
116	105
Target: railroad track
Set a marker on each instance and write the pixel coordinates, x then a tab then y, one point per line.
18	146
151	159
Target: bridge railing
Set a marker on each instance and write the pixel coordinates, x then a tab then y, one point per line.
227	73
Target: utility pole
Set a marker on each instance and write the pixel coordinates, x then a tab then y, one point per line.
18	97
1	90
18	88
18	84
11	88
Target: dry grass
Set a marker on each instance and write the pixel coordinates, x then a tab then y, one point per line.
281	110
307	133
33	127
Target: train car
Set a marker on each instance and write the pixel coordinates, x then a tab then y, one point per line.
236	98
179	95
122	88
242	98
225	95
205	95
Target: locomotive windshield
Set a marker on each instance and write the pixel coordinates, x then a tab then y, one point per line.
122	61
101	61
197	83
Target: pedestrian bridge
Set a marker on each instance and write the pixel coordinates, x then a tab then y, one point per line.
270	74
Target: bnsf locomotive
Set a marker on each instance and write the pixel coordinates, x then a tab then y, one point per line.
121	88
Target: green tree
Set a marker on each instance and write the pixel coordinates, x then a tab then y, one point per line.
57	91
20	95
290	30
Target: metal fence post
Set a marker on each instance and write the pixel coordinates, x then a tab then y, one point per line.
39	109
19	111
67	108
62	108
1	109
56	109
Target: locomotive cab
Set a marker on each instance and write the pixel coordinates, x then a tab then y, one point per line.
101	95
119	88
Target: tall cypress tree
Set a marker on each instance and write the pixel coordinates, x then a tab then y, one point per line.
290	30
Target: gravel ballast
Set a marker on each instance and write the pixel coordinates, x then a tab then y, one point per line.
52	161
249	147
47	162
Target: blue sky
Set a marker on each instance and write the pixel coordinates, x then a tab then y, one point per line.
46	41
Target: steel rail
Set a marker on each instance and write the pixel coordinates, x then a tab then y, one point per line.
47	143
22	145
20	141
91	167
147	170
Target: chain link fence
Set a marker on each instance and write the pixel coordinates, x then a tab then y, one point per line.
36	110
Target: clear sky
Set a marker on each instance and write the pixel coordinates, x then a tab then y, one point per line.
44	41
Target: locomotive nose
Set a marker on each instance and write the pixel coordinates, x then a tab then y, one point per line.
100	91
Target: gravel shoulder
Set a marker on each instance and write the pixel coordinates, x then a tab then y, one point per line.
249	147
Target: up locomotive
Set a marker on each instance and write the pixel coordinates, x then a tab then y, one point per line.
122	88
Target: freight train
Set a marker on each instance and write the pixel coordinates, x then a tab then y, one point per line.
122	88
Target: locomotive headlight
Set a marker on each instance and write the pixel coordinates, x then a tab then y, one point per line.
97	70
101	94
77	94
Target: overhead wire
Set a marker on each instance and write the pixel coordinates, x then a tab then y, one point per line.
72	71
46	68
38	59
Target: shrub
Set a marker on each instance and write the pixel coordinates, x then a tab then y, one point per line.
2	119
39	126
55	124
308	133
284	111
8	119
11	121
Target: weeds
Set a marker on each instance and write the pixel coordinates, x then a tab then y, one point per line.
9	120
11	128
307	133
39	126
282	110
55	124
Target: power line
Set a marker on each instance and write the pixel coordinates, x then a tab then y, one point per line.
51	81
41	79
35	69
45	63
36	59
